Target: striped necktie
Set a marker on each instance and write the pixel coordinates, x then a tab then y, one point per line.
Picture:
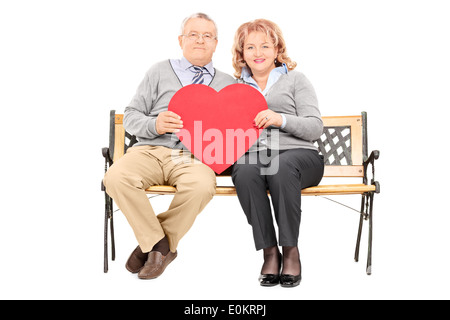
198	77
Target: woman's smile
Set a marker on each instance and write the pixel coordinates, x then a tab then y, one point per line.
259	60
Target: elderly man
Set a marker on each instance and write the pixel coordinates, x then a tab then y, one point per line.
159	158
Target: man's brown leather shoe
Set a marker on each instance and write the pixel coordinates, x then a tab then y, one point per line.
156	263
136	260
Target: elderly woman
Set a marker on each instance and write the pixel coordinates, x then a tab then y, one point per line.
284	159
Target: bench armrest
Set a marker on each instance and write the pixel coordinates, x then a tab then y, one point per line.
105	153
108	163
374	155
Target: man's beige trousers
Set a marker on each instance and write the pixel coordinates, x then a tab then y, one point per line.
144	166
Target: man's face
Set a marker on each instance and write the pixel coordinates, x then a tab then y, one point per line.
198	51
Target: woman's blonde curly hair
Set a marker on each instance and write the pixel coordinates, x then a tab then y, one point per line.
272	31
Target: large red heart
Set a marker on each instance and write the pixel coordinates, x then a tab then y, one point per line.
218	127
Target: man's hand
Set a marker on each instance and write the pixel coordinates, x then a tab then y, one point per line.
168	121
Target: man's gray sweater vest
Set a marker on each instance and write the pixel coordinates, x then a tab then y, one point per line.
152	97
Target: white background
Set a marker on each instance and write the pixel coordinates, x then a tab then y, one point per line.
65	64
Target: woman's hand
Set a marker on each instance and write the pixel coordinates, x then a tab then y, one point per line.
268	118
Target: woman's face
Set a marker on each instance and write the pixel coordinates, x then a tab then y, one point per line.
259	53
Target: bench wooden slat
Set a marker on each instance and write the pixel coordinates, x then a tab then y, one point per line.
119	137
340	189
344	171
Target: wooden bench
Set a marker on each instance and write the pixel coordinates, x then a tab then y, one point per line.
343	145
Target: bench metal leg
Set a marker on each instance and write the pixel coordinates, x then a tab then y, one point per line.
369	252
361	220
113	243
108	216
366	214
105	244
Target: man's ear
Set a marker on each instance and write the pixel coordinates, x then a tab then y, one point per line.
180	41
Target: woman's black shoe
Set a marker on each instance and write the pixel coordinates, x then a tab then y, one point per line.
269	280
290	281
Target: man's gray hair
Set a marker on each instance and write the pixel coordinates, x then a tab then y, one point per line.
201	16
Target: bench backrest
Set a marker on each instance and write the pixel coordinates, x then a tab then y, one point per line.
343	143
